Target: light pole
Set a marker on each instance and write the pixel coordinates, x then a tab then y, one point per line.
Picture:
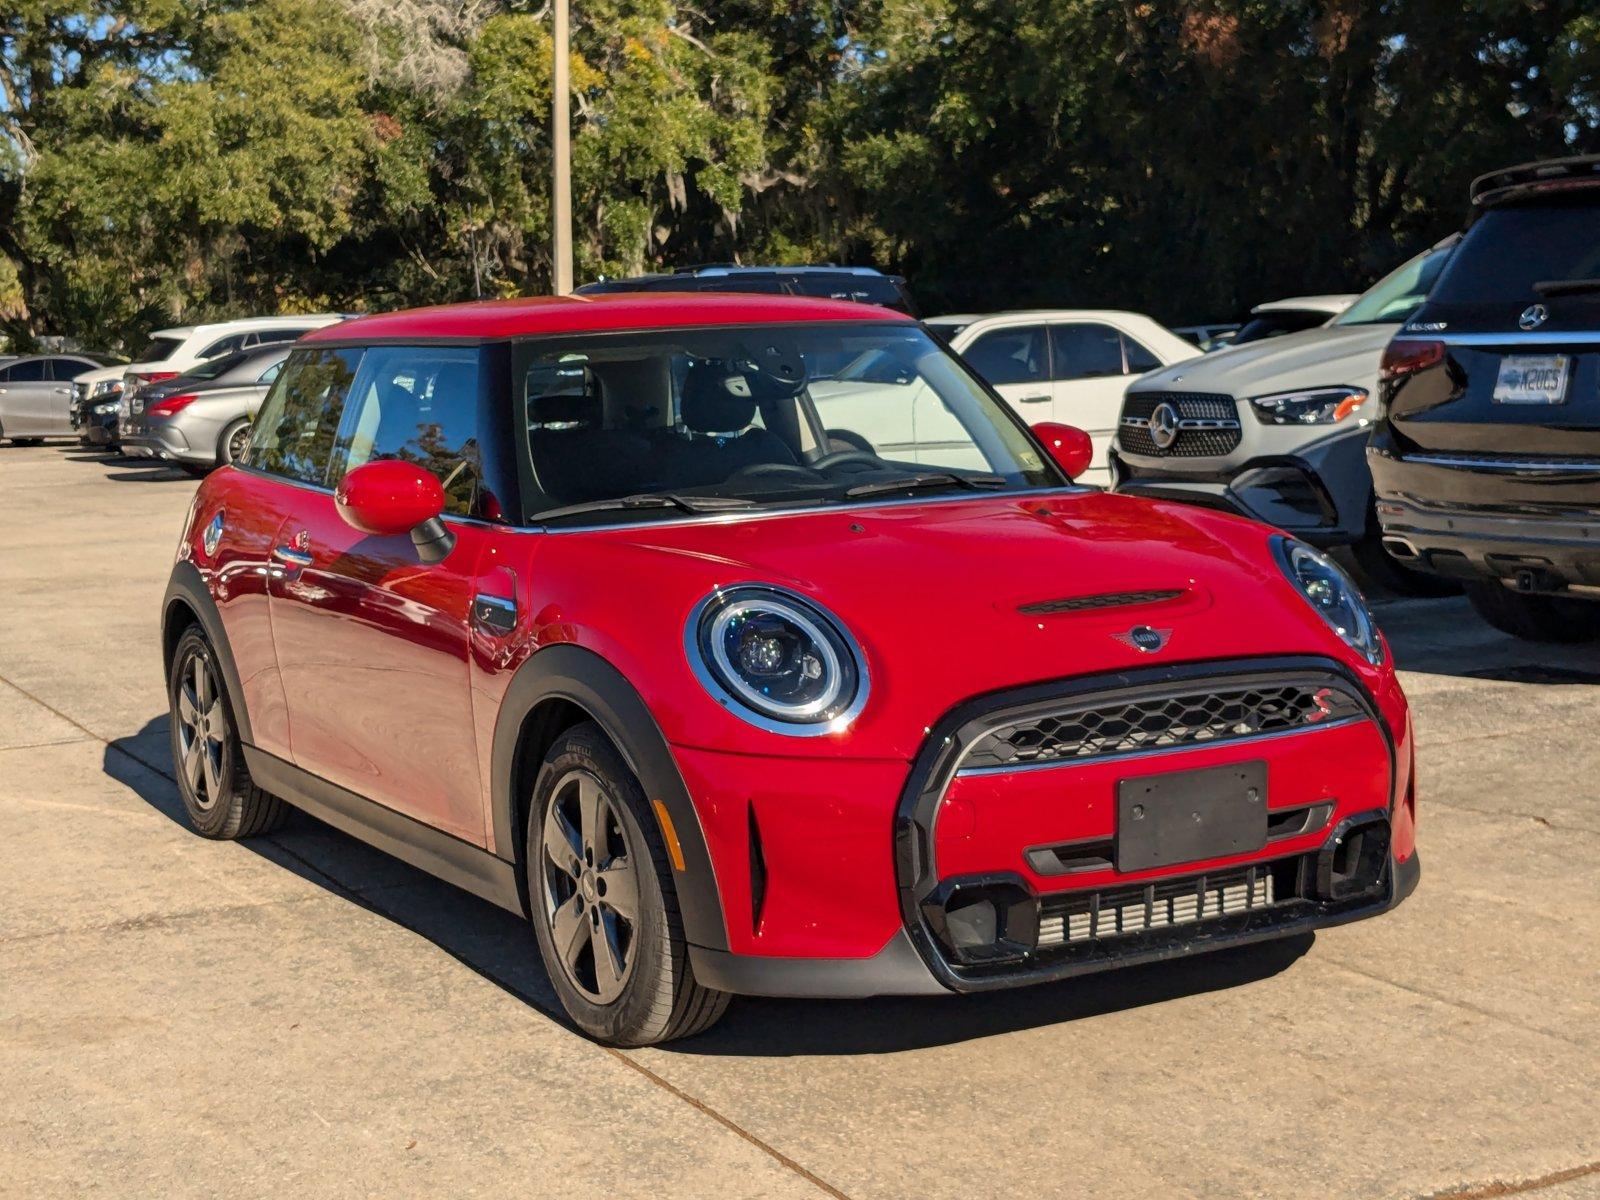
561	120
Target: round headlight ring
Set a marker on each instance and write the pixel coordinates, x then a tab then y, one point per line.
797	628
1332	595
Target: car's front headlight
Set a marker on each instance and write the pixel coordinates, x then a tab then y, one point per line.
1309	406
776	660
107	387
109	407
1332	594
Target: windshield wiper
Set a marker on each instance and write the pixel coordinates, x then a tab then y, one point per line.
934	479
688	504
1566	287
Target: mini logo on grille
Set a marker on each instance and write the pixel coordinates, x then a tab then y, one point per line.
1163	426
1533	316
1144	639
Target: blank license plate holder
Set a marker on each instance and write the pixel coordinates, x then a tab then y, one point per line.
1186	816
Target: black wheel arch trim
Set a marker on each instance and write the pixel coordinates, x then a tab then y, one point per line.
187	589
585	679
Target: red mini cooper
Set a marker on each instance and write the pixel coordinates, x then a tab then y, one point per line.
751	645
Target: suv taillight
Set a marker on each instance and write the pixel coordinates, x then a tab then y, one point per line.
1404	356
165	408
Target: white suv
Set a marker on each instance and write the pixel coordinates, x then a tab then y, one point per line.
170	352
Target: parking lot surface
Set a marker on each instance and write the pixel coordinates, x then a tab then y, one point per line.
302	1015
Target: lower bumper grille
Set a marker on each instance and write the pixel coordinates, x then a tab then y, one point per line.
1093	916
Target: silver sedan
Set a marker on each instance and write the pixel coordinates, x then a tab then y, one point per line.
36	394
201	419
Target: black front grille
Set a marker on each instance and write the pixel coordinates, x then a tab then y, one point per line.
1133	435
1074	918
1097	728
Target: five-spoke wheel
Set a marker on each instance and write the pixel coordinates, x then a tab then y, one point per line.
591	888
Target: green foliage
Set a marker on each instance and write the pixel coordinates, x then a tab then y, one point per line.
166	160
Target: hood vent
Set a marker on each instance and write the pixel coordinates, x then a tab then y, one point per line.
1071	604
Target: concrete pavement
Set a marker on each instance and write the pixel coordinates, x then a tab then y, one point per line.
187	1018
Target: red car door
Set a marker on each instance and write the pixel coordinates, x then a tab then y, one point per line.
373	643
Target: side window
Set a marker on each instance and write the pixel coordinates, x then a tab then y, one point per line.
31	371
270	373
1140	360
299	420
273	337
1086	351
417	404
1010	355
226	345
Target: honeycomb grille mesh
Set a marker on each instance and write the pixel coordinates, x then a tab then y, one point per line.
1191	443
1097	728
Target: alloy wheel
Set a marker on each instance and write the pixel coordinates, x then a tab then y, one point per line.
202	731
590	887
238	443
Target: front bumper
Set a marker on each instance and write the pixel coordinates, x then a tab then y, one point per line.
1312	482
818	908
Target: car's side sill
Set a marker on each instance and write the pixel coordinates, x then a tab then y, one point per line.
451	859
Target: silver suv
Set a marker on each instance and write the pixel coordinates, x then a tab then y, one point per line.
1276	430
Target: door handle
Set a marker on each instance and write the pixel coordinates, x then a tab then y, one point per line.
291	556
61	391
1032	399
496	614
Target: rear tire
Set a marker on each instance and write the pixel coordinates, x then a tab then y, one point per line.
235	440
1535	618
220	797
1385	570
595	856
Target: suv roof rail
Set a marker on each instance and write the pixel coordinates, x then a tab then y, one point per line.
1532	178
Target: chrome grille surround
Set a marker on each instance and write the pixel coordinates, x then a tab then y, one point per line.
1208	424
1101	728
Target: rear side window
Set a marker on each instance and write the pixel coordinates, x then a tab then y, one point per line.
1510	251
158	348
1086	351
299	420
417	404
32	371
1010	355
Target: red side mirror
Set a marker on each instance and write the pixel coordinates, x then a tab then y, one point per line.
1068	445
388	497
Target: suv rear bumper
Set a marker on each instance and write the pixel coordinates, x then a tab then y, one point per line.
1541	531
1542	552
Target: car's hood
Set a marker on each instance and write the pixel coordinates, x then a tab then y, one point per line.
1325	356
936	593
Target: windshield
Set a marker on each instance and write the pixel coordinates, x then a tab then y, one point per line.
1393	299
158	348
762	416
1278	322
1510	252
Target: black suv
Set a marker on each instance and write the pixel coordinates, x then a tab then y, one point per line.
1486	457
861	284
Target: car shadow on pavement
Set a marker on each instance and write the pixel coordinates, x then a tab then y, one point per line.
500	947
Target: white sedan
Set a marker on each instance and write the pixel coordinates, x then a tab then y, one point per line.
1067	365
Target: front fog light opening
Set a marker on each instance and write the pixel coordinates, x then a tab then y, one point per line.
983	921
1353	859
776	660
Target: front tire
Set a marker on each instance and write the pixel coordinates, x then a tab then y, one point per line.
1535	618
605	910
220	797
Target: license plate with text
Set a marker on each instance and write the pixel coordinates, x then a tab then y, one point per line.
1532	379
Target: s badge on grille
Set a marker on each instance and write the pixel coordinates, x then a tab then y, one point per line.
1533	316
1144	639
1163	426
